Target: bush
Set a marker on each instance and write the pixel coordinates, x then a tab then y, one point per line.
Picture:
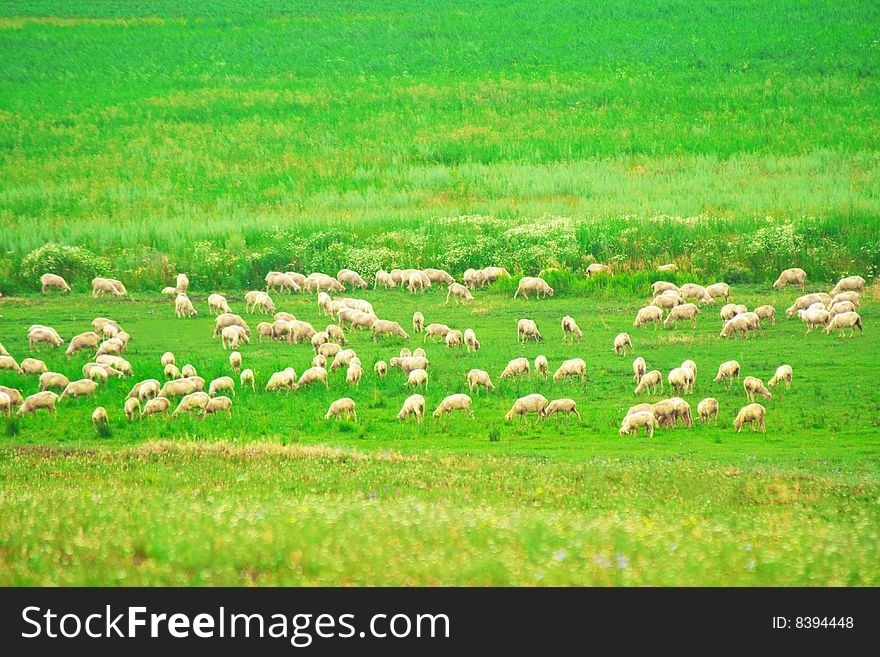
76	264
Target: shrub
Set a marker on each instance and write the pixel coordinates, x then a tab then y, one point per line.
76	264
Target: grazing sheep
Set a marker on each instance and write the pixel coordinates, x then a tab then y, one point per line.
343	359
492	274
418	352
167	358
110	286
765	312
753	385
350	277
439	276
171	371
681	379
33	366
113	347
659	287
719	290
354	374
296	277
276	280
344	407
99	416
418	322
527	330
329	350
219	404
158	405
284	317
5	404
534	403
381	369
753	415
384	279
652	380
49	281
116	362
366	321
850	284
385	327
668	267
542	367
667	300
707	409
410	363
649	314
325	304
669	411
247	378
414	405
597	268
783	373
9	363
88	340
283	380
335	334
319	338
144	390
742	324
188	371
80	388
850	320
692	366
570	329
814	316
230	336
474	277
235	361
322	283
567	406
683	312
183	307
574	367
195	401
729	369
182	387
534	284
805	301
40	400
263	303
43	335
416	280
640	408
100	372
794	276
182	284
842	307
218	305
53	380
693	291
460	293
853	297
221	384
639	369
169	291
457	402
621	342
100	322
13	394
517	368
417	378
634	421
731	310
479	379
454	339
436	330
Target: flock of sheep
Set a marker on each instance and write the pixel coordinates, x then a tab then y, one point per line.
837	310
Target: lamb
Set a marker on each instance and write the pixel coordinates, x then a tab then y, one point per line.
454	339
639	369
40	400
634	421
681	379
457	402
460	293
33	366
182	387
570	329
719	290
517	368
80	388
195	401
659	287
794	276
414	405
693	291
621	342
684	312
329	350
542	367
533	284
527	330
102	286
49	281
783	373
418	322
567	406
652	380
235	361
534	403
814	316
408	364
729	369
436	330
647	314
43	335
852	297
667	301
53	380
381	369
731	310
144	390
5	404
158	405
9	363
343	358
417	378
171	372
479	379
344	407
384	279
597	268
707	409
283	380
87	340
221	384
230	335
385	327
742	324
765	312
350	277
850	284
574	367
276	280
217	304
753	385
850	320
805	301
99	416
13	394
247	378
354	373
753	415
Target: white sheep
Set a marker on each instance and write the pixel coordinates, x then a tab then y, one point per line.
342	359
5	404
171	371
167	358
667	300
559	406
492	274
814	316
669	411
10	364
414	405
621	342
853	297
146	389
235	361
409	363
719	290
659	287
805	301
691	365
384	279
684	312
417	378
435	331
217	304
842	307
158	405
418	352
183	307
571	368
742	324
479	379
219	404
80	388
534	284
169	291
48	336
329	350
542	366
526	330
335	334
182	387
753	415
354	373
850	320
38	401
753	385
570	329
276	280
386	327
221	384
113	346
794	276
454	339
474	277
460	293
99	416
694	291
597	268
729	369
282	380
110	286
33	366
457	402
116	362
850	284
350	277
648	314
707	409
88	340
230	336
534	403
325	304
517	368
668	267
344	407
49	281
247	378
470	340
639	369
652	380
188	371
380	368
681	379
635	421
783	373
182	283
53	380
418	322
195	401
766	312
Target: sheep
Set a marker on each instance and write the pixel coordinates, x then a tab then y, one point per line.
99	323
282	380
457	402
299	331
668	301
182	387
435	330
805	301
470	340
597	268
460	293
574	367
5	404
343	358
454	339
230	319
9	363
648	314
534	403
729	369
183	307
639	369
53	380
195	401
850	320
691	365
416	378
410	363
385	327
526	330
354	373
752	414
87	340
113	346
414	405
439	276
621	342
99	375
325	304
169	291
731	310
842	307
230	335
182	284
3	351
384	279
158	405
418	352
681	379
707	409
492	274
366	321
570	329
783	373
794	276
542	367
853	297
668	267
474	277
335	334
171	371
13	394
221	384
479	379
742	324
652	380
719	290
40	400
144	390
319	338
276	280
753	385
322	283
262	302
247	378
381	368
102	286
559	406
329	350
693	291
634	421
49	281
43	335
517	368
188	371
533	284
350	277
296	277
116	362
659	287
344	407
814	316
284	317
217	304
415	280
850	284
219	404
33	366
765	312
669	411
418	322
683	312
99	416
79	388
